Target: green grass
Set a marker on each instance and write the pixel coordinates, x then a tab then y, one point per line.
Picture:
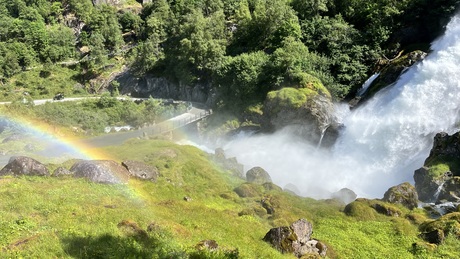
67	217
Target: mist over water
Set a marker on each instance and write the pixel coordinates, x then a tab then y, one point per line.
383	141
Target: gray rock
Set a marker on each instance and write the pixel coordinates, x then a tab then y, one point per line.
61	171
258	175
296	239
100	171
404	194
439	178
314	120
141	170
22	165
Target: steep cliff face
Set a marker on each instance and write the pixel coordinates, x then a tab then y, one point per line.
159	87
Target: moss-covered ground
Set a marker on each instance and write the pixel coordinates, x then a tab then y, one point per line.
49	217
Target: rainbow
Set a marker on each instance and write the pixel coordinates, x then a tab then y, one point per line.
64	148
57	144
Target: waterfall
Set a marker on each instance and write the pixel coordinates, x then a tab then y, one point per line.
438	192
323	131
366	84
383	141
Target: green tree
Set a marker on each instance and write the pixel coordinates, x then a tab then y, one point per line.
242	79
201	46
271	21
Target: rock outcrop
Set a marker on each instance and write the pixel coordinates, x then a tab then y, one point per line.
296	239
404	194
141	170
439	178
22	165
158	87
435	231
100	171
303	111
258	175
389	72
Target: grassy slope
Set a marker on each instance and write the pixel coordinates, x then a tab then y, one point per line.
67	217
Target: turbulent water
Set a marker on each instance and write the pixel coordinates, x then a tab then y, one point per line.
383	141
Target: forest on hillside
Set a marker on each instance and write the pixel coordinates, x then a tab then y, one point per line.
244	48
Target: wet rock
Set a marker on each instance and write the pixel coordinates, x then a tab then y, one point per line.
390	70
22	165
439	178
141	170
313	119
345	195
404	194
296	239
100	171
258	175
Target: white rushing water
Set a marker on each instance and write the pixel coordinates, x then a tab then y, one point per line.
383	141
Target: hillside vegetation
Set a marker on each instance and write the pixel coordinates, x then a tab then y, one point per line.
245	48
65	217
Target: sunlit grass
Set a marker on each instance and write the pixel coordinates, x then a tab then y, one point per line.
67	217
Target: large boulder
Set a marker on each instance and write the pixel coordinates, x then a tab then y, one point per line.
435	231
296	239
404	194
258	175
141	170
22	165
304	111
100	171
439	178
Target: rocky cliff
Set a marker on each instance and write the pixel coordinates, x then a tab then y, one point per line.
439	178
160	87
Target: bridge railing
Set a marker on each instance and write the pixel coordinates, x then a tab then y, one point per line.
172	125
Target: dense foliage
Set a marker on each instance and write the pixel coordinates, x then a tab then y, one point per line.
245	48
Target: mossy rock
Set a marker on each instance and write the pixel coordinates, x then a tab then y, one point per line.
272	187
393	70
255	210
449	224
290	97
416	217
360	209
247	190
